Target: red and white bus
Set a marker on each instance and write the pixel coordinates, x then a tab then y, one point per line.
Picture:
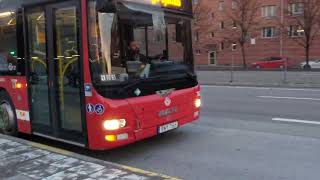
67	71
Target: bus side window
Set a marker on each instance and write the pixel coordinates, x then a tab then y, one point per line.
8	43
9	61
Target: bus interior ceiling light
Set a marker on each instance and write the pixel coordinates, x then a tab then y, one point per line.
114	124
6	14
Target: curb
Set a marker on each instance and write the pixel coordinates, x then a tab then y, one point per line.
87	158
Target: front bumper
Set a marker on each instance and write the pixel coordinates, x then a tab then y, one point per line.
141	134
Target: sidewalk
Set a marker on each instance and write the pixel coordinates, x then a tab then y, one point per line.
24	160
293	79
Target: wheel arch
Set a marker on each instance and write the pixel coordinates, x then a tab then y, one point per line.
8	100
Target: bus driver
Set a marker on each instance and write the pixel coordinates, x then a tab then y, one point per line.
134	53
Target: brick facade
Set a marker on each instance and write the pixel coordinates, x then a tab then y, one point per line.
209	18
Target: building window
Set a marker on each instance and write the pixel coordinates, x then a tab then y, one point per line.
195	2
222	46
198	51
234	24
295	31
234	5
212	57
211	34
196	36
268	32
269	11
221	5
296	8
234	46
195	19
221	24
210	16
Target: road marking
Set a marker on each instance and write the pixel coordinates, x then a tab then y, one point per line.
51	149
296	121
292	98
261	88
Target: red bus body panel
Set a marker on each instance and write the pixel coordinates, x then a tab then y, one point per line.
142	116
143	110
19	97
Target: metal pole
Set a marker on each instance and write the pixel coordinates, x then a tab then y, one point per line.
232	66
281	26
285	70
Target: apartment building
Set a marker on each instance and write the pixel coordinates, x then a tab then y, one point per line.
276	33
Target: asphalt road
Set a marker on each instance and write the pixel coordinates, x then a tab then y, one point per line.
243	134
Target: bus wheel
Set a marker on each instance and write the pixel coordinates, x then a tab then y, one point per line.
8	122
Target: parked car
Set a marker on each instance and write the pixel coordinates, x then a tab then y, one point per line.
314	64
270	63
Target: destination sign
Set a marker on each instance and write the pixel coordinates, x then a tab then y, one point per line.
163	3
167	3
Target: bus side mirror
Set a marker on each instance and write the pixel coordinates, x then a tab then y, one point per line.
107	6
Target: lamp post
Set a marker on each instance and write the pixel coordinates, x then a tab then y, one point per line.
285	70
306	66
234	46
281	34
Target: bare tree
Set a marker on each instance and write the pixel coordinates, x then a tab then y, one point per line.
304	23
243	21
201	13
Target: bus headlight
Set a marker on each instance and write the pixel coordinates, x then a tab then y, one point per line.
197	103
114	124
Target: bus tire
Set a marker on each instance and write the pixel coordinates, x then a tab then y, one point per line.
8	120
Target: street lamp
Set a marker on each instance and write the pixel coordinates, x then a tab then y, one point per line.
307	65
300	30
233	48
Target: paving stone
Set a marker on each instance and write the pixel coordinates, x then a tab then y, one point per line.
21	161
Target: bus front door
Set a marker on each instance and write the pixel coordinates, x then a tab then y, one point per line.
54	71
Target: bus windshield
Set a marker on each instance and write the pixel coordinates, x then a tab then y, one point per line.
136	45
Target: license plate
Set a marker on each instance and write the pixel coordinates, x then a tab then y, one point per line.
168	127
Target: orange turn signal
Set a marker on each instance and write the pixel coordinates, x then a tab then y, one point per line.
111	138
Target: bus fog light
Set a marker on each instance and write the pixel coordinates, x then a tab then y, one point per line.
197	103
114	124
123	136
